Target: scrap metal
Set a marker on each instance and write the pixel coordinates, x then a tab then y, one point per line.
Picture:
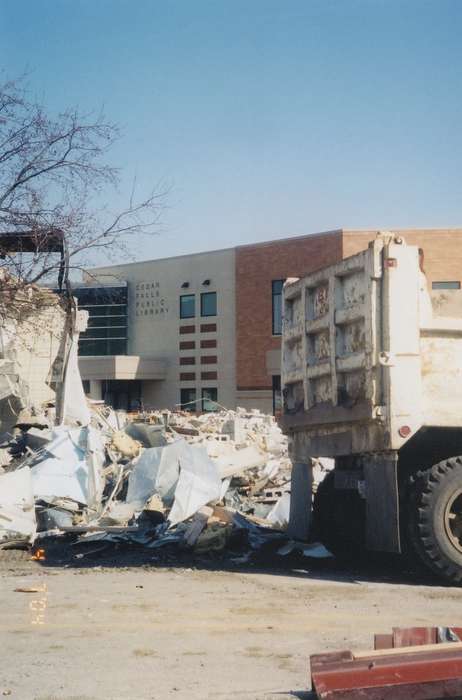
402	666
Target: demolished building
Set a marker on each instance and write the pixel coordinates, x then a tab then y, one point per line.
75	468
33	331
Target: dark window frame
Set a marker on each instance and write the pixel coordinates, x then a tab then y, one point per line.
446	284
188	296
276	294
207	398
208	295
277	394
190	404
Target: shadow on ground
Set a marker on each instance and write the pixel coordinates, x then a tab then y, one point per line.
68	553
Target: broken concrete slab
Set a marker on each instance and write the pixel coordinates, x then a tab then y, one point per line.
238	461
147	434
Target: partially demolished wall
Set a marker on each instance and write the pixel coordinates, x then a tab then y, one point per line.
32	337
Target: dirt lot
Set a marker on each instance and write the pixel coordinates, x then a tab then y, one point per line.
151	631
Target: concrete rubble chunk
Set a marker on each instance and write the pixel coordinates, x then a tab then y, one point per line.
238	461
126	445
146	434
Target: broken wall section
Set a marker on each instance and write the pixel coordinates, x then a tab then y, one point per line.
33	334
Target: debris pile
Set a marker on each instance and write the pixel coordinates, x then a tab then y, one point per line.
197	482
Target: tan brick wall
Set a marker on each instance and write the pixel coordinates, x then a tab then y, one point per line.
256	267
442	249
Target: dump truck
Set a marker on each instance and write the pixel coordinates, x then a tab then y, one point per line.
372	377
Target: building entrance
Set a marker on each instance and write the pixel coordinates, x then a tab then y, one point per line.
122	394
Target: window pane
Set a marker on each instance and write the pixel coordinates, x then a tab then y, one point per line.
89	296
445	285
107	321
209	399
209	304
117	347
276	287
188	399
110	332
102	311
102	347
187	306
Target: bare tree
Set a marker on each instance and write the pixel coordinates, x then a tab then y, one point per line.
53	173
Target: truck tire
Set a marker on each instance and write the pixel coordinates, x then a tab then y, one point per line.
339	520
435	518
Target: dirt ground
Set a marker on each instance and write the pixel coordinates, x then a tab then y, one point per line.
190	632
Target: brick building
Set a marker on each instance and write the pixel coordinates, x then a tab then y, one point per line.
207	326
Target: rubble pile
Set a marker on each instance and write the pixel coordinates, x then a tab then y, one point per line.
204	483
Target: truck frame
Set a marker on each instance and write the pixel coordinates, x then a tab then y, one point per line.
372	377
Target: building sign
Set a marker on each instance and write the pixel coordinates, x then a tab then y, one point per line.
149	300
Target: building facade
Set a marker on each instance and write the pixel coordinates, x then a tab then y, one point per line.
204	329
180	334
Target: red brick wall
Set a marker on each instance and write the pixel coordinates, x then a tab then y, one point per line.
256	267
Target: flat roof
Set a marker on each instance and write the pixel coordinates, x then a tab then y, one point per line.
317	234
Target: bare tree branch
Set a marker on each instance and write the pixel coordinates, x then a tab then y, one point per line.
52	170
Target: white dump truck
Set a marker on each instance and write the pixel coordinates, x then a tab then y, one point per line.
372	377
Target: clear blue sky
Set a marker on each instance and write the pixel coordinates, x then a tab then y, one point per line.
270	118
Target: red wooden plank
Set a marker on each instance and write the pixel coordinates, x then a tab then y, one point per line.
414	636
383	641
333	679
436	690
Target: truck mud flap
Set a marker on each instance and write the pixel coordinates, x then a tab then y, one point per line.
382	503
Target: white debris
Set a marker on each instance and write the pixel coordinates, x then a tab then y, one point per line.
199	483
156	471
279	513
75	407
238	461
70	467
17	507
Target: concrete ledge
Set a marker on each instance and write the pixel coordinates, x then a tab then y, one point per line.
122	367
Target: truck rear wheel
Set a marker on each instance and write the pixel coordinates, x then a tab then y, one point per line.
339	520
435	518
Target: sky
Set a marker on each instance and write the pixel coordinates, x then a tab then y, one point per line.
266	118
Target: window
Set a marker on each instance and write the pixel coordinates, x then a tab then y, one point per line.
277	396
209	304
188	399
445	285
107	306
209	399
93	346
187	306
122	394
276	286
